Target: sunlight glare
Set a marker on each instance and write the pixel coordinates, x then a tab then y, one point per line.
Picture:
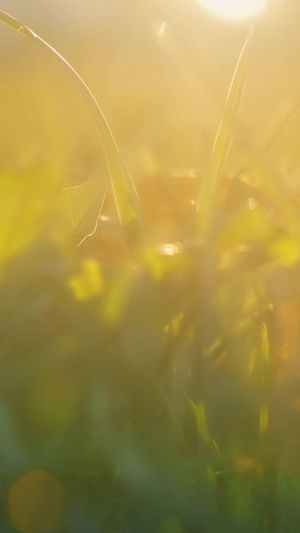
234	9
170	248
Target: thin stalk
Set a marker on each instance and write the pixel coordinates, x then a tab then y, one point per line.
127	201
222	141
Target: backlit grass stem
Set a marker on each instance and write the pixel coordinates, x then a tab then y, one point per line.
127	202
222	141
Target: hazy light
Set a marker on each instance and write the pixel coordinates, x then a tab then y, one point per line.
234	9
161	28
170	248
105	218
252	203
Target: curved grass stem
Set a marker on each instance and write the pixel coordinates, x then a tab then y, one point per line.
126	198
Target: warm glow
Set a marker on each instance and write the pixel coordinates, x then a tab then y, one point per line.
35	502
233	9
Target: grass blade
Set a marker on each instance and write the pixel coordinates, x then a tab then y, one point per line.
127	202
84	203
223	140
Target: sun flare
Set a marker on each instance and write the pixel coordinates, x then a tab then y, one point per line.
234	9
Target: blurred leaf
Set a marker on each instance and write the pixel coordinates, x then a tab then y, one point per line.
127	202
25	204
117	295
223	140
89	282
286	249
200	415
84	203
265	343
264	419
247	226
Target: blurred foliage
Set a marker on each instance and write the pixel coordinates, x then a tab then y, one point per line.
153	388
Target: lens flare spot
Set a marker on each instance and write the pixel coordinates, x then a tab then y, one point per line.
252	203
35	502
234	9
170	248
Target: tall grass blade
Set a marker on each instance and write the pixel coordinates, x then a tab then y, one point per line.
223	140
200	415
127	202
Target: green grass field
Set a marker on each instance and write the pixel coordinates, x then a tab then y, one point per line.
150	300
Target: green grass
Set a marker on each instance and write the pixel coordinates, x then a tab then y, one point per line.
126	200
149	385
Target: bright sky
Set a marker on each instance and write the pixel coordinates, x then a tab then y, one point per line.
234	9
